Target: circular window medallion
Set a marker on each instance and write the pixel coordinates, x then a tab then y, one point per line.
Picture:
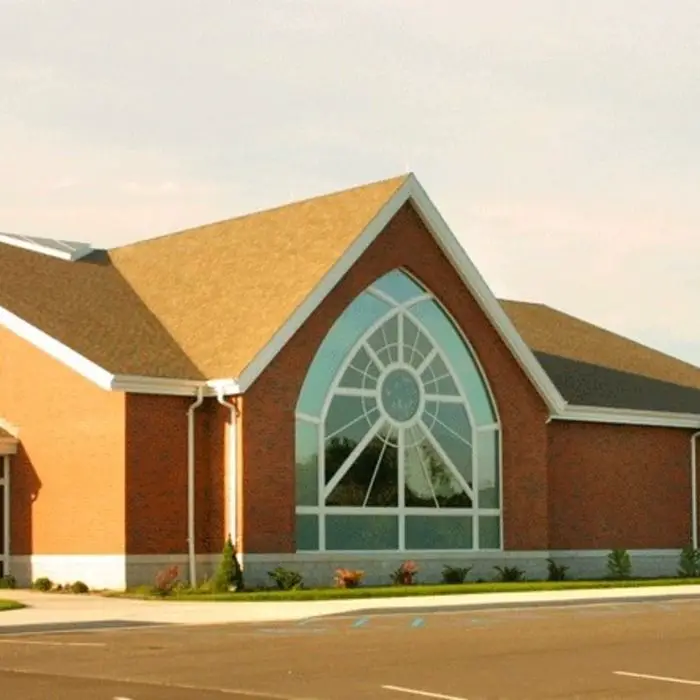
400	395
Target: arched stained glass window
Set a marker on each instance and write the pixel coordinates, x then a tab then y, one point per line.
397	435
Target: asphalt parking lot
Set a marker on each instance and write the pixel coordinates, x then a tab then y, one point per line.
623	650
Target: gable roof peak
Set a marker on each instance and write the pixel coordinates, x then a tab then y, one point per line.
390	184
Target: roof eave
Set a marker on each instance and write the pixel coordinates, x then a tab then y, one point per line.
412	191
622	416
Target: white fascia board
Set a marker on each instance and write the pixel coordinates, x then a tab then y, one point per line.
133	384
662	419
130	384
481	292
67	253
223	387
56	349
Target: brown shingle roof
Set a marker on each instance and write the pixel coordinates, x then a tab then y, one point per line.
553	332
148	308
201	303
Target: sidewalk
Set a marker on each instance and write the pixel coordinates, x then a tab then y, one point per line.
51	609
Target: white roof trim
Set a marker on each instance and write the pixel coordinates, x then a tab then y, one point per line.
64	250
621	416
56	349
412	191
131	384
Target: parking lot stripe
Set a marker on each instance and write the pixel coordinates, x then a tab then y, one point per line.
34	642
663	679
421	693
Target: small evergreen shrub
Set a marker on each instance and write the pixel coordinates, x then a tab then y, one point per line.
509	574
8	581
229	575
348	578
406	574
165	581
79	587
43	584
689	564
286	579
556	572
455	574
619	565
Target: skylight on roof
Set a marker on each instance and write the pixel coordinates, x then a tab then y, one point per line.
65	250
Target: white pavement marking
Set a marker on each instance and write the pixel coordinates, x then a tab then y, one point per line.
120	697
34	642
422	693
663	679
264	695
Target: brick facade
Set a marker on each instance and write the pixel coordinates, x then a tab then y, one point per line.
156	475
68	476
268	417
618	486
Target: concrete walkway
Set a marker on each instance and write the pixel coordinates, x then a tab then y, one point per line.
53	609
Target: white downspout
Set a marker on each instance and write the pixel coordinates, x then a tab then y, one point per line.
694	488
7	539
232	499
191	550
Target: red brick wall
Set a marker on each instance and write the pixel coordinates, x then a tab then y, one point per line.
268	416
618	486
68	477
156	475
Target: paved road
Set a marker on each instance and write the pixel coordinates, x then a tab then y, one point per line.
627	650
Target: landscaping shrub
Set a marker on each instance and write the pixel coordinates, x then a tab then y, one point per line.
455	574
619	565
8	581
406	574
43	584
556	572
229	575
79	587
348	578
206	586
508	574
165	581
689	565
286	579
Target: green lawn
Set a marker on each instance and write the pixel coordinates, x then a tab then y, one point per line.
9	605
408	591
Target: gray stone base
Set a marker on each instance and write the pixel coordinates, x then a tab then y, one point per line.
319	569
119	571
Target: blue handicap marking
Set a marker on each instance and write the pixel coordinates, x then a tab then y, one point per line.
361	622
418	622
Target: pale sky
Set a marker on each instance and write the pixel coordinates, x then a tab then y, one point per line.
560	139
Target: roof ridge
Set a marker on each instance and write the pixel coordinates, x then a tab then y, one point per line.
400	179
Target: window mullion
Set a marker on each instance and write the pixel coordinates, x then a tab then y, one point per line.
321	461
401	443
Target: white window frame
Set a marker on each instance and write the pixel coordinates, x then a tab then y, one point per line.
401	511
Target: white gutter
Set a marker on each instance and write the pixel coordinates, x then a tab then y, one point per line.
694	488
232	495
191	551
